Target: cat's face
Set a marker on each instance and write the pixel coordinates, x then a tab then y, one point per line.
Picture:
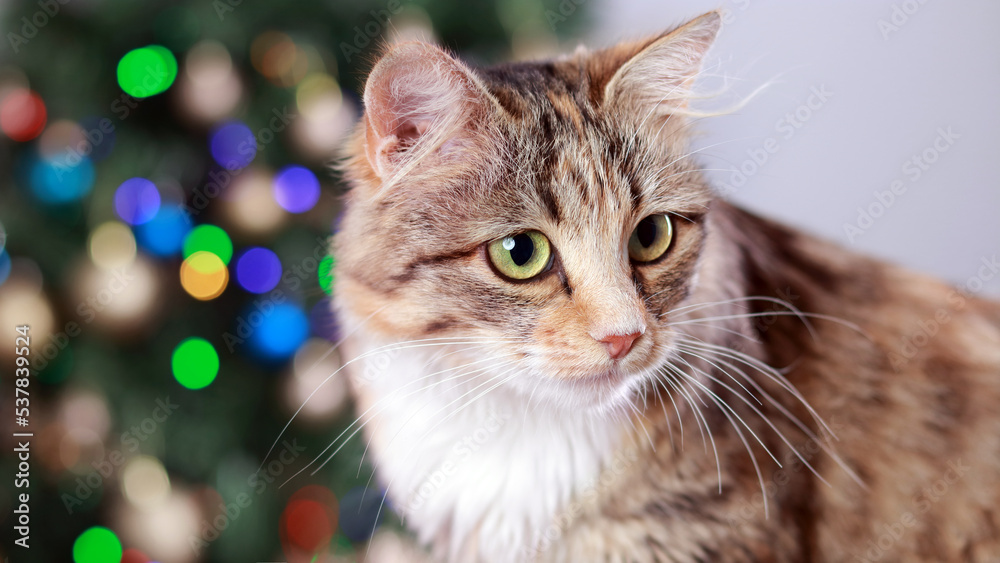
545	217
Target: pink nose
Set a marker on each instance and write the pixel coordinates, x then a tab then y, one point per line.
619	344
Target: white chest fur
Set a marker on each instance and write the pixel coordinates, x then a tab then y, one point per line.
476	472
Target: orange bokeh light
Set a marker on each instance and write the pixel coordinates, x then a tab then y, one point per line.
204	275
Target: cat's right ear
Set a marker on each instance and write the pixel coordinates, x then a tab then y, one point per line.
656	79
419	101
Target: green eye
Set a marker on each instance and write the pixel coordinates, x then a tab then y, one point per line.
520	257
651	238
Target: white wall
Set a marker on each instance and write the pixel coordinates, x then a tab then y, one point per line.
891	92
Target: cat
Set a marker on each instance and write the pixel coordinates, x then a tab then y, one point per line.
564	347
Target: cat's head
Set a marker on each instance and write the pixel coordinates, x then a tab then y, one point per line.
544	214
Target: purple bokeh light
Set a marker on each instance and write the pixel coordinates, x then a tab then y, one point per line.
258	270
137	201
296	189
233	145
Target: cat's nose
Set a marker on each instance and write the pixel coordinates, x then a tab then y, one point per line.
619	344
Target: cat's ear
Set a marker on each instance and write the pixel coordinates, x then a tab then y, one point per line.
419	100
656	78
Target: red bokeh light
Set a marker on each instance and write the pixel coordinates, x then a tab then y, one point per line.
132	555
22	115
308	523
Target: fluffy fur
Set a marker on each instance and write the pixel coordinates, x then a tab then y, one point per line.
503	431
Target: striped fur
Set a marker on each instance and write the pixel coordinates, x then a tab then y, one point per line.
883	457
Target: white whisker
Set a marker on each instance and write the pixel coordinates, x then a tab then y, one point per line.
380	349
462	375
768	371
372	407
484	372
699	417
753	457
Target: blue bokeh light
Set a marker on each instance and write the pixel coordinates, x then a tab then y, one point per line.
233	145
137	201
258	270
296	189
280	333
4	266
164	234
61	179
361	512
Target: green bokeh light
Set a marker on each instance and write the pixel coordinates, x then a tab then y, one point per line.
209	238
147	71
97	545
195	363
325	274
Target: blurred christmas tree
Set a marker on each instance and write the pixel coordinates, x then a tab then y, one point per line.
165	207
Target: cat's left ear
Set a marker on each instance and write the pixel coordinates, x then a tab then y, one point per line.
657	79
